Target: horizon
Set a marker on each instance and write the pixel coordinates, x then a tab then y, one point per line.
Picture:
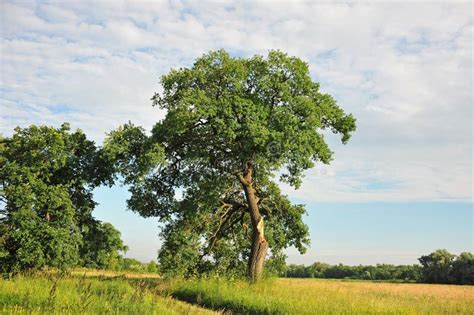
136	229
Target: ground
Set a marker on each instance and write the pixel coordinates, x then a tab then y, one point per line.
95	292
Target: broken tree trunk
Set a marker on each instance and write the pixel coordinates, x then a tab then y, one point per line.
259	245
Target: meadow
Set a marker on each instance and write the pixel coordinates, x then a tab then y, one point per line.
312	296
95	293
91	294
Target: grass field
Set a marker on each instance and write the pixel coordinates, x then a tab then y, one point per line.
310	296
46	294
49	294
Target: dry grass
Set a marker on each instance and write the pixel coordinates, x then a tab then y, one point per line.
386	297
111	274
309	296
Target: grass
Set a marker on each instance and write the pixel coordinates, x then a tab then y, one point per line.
101	293
110	273
310	296
50	294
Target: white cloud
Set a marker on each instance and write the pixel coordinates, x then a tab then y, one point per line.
404	70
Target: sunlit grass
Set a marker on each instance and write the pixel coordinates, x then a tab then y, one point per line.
47	294
94	293
309	296
110	273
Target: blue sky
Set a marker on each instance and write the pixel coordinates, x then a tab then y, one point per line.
401	187
349	233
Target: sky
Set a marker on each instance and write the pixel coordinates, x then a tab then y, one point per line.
401	187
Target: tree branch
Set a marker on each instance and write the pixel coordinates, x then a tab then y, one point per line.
236	206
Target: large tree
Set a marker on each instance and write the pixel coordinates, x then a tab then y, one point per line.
232	125
46	180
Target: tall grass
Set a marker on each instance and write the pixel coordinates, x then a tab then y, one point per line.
110	273
308	296
56	293
52	294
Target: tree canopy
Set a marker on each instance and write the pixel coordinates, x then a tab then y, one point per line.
232	125
443	267
46	180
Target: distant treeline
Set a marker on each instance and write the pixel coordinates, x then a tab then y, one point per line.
340	271
437	267
131	264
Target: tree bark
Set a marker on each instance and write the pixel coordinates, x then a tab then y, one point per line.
259	245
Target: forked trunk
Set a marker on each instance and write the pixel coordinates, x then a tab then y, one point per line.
259	247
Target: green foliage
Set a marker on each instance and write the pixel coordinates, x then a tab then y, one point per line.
462	269
46	181
134	265
152	267
102	244
41	294
221	113
436	266
225	110
131	152
131	264
444	267
377	272
179	254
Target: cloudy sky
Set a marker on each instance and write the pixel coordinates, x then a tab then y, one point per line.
404	70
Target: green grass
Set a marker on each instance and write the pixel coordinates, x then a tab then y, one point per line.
309	296
48	294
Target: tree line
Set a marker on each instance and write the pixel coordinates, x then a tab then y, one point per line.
363	272
134	265
438	267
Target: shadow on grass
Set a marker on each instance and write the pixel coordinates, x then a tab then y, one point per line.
219	304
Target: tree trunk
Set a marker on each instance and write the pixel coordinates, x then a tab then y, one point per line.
257	252
259	247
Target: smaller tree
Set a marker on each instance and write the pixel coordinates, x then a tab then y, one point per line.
317	269
152	267
46	180
131	264
436	266
102	245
